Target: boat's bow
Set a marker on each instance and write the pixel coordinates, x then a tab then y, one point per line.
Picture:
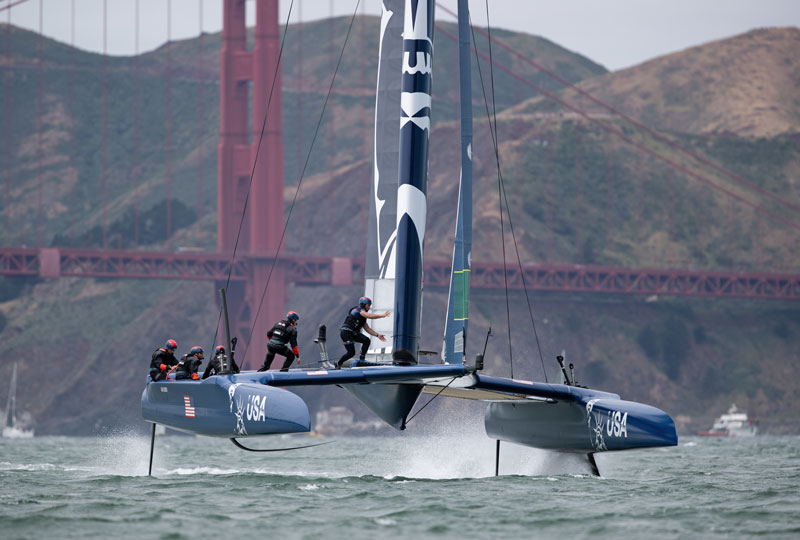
573	419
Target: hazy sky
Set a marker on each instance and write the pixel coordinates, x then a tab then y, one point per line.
614	33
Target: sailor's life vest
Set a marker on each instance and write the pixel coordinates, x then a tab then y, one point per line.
354	321
282	333
187	368
214	367
161	356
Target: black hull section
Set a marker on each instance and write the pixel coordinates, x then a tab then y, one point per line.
391	402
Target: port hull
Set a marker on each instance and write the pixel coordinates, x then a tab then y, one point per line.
222	407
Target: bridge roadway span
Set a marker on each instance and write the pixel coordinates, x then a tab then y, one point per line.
345	271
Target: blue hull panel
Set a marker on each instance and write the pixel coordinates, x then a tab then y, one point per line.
586	425
224	407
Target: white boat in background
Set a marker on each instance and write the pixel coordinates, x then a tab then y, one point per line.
14	427
734	423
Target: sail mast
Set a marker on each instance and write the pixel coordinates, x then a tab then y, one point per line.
415	103
455	332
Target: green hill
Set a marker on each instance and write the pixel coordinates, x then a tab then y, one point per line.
577	194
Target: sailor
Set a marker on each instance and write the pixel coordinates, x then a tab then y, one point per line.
351	330
214	366
163	359
187	367
281	336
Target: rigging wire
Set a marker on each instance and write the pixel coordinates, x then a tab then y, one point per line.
495	137
524	284
699	177
510	222
659	136
706	161
695	176
429	401
253	170
305	166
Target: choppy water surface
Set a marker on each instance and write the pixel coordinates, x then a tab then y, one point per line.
401	486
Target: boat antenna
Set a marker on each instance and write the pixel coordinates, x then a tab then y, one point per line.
493	133
225	365
560	360
486	342
305	165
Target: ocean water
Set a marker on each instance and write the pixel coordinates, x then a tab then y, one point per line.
435	485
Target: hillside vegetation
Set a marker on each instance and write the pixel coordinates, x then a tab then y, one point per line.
745	85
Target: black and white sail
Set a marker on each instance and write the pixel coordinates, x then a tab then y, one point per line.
382	225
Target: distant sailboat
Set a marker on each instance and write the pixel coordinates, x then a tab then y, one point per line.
14	428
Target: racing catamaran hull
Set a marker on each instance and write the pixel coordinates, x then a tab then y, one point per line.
225	406
584	426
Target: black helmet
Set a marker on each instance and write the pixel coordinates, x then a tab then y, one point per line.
219	350
293	316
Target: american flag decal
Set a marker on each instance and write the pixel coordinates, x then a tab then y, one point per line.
187	407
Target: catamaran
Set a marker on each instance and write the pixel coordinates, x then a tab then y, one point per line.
561	417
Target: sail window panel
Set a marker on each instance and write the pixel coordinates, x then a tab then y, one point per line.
461	295
382	300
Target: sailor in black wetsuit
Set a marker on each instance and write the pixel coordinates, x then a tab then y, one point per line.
163	359
281	337
350	332
214	366
187	367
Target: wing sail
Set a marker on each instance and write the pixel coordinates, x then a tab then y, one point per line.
382	224
455	331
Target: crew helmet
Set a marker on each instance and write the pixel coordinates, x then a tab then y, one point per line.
219	349
365	301
293	316
171	345
196	350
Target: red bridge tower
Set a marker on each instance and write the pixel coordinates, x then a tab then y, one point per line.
238	152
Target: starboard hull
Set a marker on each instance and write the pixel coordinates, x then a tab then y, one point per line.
587	425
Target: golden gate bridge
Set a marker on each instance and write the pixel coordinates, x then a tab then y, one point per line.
245	77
